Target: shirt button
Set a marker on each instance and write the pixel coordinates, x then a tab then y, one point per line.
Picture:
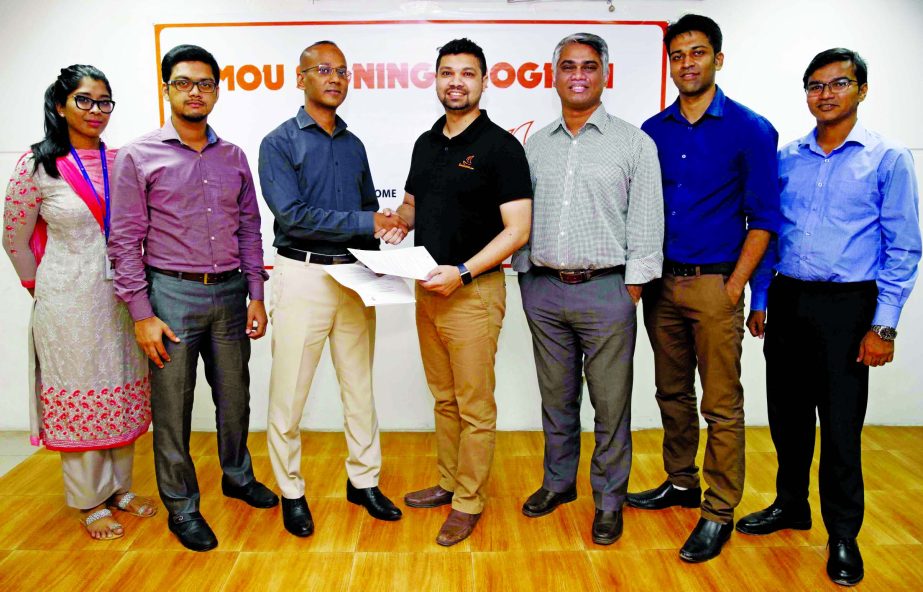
820	184
807	234
679	184
683	156
566	203
574	142
205	181
804	257
673	213
213	238
826	160
562	233
208	209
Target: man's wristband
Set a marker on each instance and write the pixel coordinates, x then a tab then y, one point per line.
465	274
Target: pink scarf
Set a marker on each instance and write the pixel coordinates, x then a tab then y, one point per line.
71	174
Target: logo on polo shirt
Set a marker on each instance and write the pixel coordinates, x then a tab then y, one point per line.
468	163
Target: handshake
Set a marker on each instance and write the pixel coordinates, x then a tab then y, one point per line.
390	227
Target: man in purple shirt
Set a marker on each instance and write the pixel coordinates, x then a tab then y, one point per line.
187	250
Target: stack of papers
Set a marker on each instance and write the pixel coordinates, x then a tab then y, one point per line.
378	278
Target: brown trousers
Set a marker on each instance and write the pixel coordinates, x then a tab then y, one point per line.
458	343
690	322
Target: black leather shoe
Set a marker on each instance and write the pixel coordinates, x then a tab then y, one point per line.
706	541
665	496
296	516
192	531
844	566
254	493
607	527
775	517
543	502
373	500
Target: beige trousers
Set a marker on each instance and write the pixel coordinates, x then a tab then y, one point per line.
307	307
92	477
458	343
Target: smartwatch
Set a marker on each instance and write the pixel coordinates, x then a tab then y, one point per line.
465	274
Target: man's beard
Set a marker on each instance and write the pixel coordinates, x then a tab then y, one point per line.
193	118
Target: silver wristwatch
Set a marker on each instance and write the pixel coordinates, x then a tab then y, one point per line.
886	333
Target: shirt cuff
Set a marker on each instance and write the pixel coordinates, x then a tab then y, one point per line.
140	308
256	290
367	223
887	315
641	271
758	300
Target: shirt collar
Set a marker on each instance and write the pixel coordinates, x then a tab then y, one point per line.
599	120
304	120
168	133
715	108
466	137
857	135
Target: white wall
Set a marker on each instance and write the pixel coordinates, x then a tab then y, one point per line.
767	46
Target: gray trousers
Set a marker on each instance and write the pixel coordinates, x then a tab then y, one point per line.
210	321
584	329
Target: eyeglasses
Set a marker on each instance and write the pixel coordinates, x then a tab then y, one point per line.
86	104
328	70
837	86
185	85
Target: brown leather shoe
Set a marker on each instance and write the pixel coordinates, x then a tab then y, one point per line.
431	497
456	528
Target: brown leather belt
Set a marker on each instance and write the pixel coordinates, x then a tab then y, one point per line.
578	276
201	278
318	258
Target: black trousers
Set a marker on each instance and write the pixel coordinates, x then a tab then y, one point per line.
812	341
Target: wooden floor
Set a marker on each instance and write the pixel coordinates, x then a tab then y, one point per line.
42	547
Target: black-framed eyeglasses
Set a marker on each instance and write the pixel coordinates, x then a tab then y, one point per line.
328	70
185	85
837	86
85	103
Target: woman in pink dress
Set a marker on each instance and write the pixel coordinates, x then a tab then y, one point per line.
91	395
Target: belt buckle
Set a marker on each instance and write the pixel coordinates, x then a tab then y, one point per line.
205	279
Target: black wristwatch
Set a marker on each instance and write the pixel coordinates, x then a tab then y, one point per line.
465	274
886	333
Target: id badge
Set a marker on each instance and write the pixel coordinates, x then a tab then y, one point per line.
107	265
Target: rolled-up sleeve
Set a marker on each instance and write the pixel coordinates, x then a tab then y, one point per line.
129	223
645	223
761	184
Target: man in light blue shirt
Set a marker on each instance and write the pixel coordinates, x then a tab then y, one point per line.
844	265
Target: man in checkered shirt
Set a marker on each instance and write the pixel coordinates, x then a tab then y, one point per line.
597	236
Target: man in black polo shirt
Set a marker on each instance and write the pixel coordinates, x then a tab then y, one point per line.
469	196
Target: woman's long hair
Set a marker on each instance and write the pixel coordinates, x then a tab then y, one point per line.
56	142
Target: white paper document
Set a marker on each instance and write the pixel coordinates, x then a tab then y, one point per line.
413	262
374	289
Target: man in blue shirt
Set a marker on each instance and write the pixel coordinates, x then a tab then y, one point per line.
845	264
721	201
315	178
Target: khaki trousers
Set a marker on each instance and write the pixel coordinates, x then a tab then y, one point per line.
93	476
691	322
307	308
458	343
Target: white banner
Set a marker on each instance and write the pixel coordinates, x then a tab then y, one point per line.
392	98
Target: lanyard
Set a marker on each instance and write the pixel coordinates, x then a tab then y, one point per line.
86	177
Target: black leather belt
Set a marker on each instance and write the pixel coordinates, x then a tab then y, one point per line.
317	258
690	269
202	278
578	276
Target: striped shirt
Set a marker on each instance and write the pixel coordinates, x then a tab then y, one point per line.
598	199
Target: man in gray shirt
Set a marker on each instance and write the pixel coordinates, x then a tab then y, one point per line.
597	236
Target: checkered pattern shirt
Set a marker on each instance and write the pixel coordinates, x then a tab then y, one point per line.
598	199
